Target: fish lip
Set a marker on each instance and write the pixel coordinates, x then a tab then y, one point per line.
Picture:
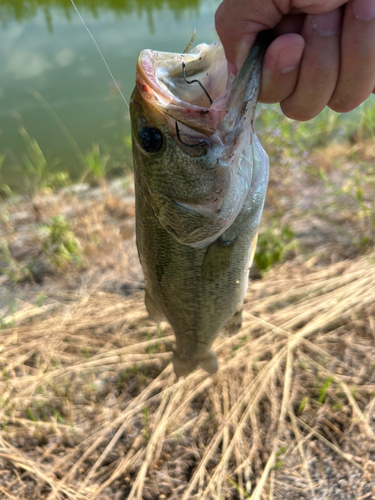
225	115
200	119
147	77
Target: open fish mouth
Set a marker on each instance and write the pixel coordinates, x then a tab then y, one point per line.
196	92
199	133
164	71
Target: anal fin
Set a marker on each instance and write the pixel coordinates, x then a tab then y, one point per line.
234	324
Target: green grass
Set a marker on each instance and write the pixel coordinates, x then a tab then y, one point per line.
4	188
40	299
10	267
274	244
324	390
60	244
281	134
98	165
39	176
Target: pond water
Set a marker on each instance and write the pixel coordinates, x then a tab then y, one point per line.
52	76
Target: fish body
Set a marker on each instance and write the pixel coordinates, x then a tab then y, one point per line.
200	183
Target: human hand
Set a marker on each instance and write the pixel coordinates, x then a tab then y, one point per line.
324	53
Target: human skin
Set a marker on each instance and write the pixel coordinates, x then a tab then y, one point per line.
323	55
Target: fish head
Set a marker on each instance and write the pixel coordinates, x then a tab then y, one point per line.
192	141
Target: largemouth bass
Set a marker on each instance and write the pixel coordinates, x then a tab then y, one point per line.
200	183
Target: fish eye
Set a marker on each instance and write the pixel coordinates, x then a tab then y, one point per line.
151	139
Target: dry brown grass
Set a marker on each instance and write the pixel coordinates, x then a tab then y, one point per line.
90	408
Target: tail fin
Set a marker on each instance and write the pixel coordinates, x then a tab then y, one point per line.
183	366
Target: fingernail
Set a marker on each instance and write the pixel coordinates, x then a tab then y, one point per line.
364	10
243	50
288	59
326	24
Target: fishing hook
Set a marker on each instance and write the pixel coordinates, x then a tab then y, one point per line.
184	143
195	81
208	97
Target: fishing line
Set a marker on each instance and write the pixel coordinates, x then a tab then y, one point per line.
100	52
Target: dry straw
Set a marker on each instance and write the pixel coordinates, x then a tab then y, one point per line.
90	408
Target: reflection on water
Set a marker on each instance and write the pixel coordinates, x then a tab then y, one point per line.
25	10
46	49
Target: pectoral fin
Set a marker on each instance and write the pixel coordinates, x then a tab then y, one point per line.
217	259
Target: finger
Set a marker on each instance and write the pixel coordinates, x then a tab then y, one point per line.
239	21
280	68
315	6
237	28
319	68
290	24
357	73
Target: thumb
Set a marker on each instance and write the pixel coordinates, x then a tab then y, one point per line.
239	21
